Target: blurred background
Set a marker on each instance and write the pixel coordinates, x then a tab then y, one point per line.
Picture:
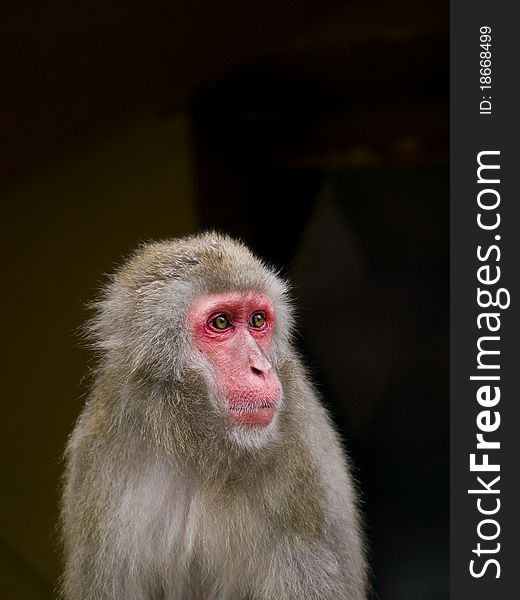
315	131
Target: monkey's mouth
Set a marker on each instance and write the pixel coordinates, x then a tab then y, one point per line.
253	415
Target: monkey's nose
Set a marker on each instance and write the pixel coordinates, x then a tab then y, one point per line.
260	366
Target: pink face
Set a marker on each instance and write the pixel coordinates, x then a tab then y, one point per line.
234	332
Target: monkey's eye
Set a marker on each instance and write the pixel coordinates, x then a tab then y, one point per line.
220	322
258	320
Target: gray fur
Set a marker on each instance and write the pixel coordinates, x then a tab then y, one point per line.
161	500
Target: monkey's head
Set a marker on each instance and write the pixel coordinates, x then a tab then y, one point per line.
204	318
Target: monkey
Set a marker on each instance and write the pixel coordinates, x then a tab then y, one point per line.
204	465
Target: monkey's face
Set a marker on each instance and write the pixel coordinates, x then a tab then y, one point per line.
234	333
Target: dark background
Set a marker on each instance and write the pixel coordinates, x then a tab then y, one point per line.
315	131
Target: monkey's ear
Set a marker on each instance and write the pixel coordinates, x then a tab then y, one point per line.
100	331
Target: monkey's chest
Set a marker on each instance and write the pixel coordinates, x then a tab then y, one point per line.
220	529
201	540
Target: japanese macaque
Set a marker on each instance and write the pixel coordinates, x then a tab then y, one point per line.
203	466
